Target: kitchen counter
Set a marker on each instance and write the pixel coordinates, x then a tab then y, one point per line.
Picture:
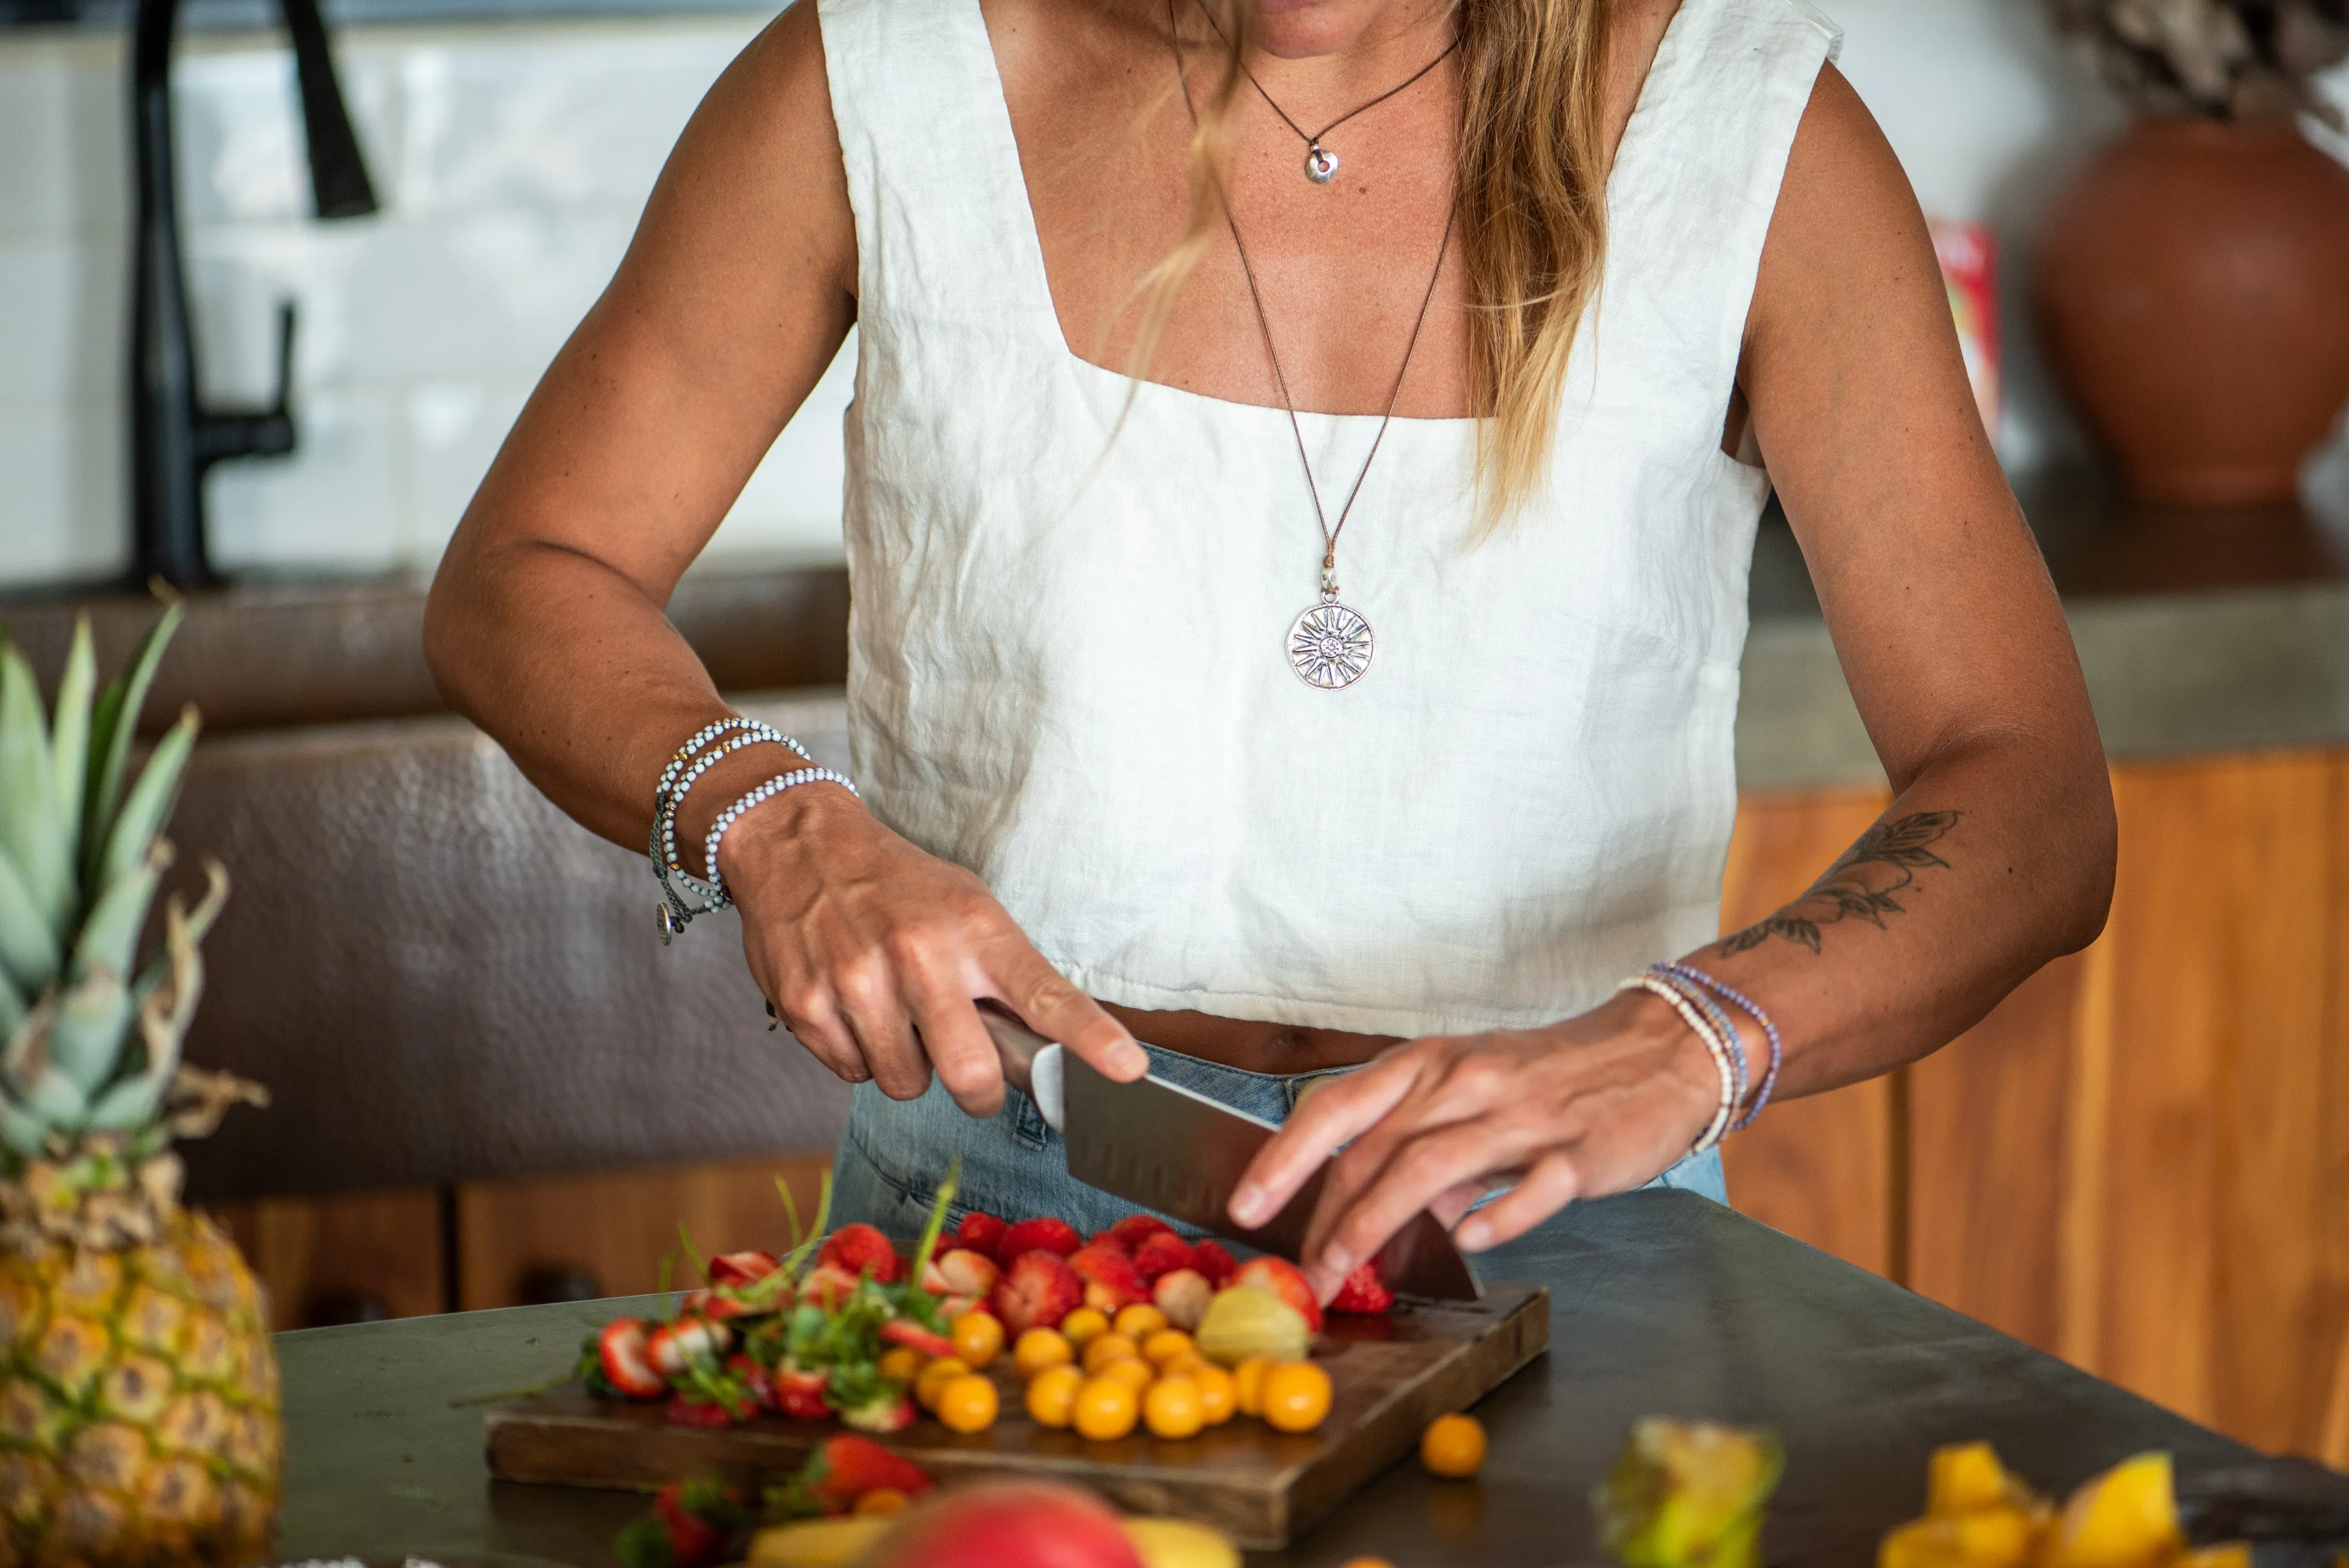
1662	1303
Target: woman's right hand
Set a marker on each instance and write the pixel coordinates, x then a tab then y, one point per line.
873	953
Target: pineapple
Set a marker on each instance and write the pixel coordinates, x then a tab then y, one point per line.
138	1393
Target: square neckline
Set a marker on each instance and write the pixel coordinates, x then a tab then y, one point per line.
1637	131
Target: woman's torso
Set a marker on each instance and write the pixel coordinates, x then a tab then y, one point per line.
1067	665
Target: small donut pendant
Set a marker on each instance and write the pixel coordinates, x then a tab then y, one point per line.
1321	165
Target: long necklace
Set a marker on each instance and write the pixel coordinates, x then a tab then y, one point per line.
1321	163
1329	643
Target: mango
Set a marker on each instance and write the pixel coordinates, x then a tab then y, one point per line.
2125	1518
1962	1477
2000	1537
1688	1495
818	1543
1181	1544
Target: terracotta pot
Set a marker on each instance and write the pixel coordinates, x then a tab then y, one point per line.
2193	291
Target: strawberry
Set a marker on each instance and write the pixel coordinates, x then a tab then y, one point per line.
800	1395
1055	1236
889	1411
740	1268
1182	1294
1212	1261
858	1250
906	1332
1036	1291
1136	1228
693	1541
1363	1291
628	1359
960	1272
953	1307
714	1305
754	1379
692	1410
827	1286
846	1467
981	1234
1111	1279
1285	1281
1111	1240
1161	1253
674	1346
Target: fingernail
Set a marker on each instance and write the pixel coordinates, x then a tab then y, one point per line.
1339	1262
1247	1204
1131	1058
1474	1235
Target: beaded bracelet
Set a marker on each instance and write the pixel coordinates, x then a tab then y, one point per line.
666	805
765	792
1702	1028
1738	999
1721	1022
660	849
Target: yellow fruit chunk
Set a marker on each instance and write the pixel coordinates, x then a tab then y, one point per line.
1172	1408
1453	1445
2000	1537
882	1499
1104	1348
1685	1492
1083	1324
967	1404
978	1338
1962	1477
1139	1322
1363	1561
1039	1349
1180	1543
1296	1396
1132	1371
1248	1385
1052	1395
933	1378
2231	1554
1106	1409
901	1364
1245	1322
818	1543
2123	1518
1218	1394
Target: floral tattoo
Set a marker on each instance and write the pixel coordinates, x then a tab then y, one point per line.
1864	885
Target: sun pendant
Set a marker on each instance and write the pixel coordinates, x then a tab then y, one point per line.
1330	646
1321	165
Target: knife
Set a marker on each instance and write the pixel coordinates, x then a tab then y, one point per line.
1171	1149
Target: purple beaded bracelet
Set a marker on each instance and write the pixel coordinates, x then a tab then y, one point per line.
1691	975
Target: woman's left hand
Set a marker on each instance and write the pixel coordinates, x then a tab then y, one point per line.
1599	1104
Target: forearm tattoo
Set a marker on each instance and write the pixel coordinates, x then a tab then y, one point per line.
1866	884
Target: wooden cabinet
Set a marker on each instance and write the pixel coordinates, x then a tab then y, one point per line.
2140	1161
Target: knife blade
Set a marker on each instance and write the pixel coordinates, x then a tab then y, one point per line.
1177	1152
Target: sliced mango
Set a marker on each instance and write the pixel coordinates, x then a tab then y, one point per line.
1182	1543
2125	1518
1963	1477
818	1543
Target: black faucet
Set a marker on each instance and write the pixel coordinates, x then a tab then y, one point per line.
173	437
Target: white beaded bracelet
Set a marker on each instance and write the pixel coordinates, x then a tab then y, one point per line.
1713	1043
668	794
667	806
765	792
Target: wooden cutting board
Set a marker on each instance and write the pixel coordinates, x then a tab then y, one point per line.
1390	1376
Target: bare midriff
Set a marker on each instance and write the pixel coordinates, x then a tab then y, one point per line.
1250	1046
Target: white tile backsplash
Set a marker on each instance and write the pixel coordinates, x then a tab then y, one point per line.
513	161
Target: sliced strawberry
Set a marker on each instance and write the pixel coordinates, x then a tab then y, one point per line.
1055	1236
827	1286
627	1356
983	1234
885	1413
953	1307
845	1468
859	1250
905	1331
1111	1240
1182	1294
674	1346
960	1272
717	1306
741	1268
692	1410
755	1379
1036	1291
1285	1281
1111	1279
800	1395
1214	1263
1136	1228
1161	1253
1363	1291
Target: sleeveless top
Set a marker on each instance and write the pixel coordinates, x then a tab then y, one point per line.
1068	667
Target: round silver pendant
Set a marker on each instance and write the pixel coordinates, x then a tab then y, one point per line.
1330	646
1321	165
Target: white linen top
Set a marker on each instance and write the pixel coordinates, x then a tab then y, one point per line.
1067	666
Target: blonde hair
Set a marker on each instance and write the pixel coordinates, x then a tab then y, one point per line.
1530	204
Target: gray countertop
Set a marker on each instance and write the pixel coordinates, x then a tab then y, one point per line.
1663	1303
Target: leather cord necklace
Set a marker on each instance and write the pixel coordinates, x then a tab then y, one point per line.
1329	644
1321	163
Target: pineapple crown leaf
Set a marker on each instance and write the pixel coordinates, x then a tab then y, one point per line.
112	726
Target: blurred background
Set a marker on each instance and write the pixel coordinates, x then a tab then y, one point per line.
493	1086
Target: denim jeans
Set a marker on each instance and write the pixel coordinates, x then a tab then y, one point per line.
1013	1165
